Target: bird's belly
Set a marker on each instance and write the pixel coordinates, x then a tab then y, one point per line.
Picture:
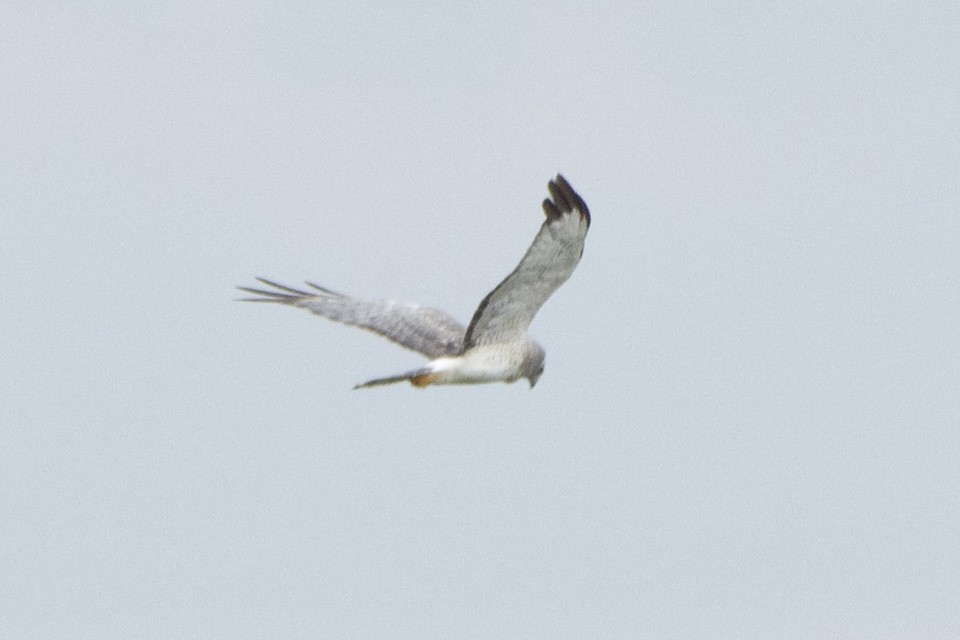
477	366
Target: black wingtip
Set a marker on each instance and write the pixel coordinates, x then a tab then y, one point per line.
324	290
265	296
279	293
275	285
565	200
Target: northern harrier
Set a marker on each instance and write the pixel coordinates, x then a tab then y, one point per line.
495	346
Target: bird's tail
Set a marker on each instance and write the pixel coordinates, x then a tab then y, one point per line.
419	378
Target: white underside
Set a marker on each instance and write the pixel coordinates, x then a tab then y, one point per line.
495	363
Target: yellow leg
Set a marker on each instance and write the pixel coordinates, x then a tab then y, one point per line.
423	380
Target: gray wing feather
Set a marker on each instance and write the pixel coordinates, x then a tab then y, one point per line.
509	309
432	332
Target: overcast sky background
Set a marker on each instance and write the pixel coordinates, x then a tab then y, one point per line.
749	423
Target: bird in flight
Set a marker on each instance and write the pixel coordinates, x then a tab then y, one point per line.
495	346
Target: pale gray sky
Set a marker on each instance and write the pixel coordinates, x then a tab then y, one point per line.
749	423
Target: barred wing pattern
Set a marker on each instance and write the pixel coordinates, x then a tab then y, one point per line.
495	346
432	332
507	311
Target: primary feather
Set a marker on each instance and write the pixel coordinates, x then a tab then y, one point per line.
495	345
431	332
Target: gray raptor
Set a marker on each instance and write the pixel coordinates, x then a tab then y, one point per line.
495	346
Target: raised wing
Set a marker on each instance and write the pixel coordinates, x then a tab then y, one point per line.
432	332
508	310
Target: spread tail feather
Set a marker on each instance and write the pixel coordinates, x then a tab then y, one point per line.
419	378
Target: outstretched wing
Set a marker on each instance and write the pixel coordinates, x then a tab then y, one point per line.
432	332
507	311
